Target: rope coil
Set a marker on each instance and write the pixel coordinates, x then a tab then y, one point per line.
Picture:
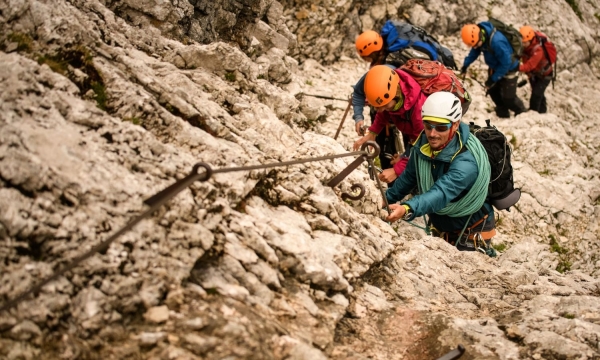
476	196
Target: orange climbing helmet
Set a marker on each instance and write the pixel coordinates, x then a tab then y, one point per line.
527	33
368	42
381	85
470	34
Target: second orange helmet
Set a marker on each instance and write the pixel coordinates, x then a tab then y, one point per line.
527	33
368	42
470	34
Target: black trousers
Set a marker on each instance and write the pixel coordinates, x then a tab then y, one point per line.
387	143
504	96
538	88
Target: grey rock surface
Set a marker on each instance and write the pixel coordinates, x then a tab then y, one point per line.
103	104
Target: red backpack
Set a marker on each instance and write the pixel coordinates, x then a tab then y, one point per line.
433	76
549	48
549	51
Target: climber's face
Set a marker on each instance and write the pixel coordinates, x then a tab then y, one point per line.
387	107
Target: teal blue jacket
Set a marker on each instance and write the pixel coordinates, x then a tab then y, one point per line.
449	186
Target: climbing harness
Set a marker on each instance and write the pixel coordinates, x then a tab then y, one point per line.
469	204
478	238
202	172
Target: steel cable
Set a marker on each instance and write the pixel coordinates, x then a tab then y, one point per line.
160	198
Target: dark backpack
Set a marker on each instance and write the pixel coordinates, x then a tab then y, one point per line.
513	36
501	193
400	37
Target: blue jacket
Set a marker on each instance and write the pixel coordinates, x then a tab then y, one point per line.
497	54
358	97
393	42
448	186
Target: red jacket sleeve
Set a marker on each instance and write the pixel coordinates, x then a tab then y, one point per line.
533	62
381	119
400	165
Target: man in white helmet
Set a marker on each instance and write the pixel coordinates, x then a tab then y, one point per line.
450	168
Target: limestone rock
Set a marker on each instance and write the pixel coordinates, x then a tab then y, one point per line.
104	104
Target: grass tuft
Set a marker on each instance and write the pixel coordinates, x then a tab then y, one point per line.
133	120
555	246
24	42
563	266
79	58
564	263
230	76
499	247
575	6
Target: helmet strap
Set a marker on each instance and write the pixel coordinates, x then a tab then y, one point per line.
399	99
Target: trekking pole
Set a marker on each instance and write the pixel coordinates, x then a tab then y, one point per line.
323	97
343	118
477	81
487	91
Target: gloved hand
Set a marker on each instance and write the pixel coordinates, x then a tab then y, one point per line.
463	71
489	83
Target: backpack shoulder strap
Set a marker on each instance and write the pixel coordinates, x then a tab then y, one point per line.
462	150
490	40
542	43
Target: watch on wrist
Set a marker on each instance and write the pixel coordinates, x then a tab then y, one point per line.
408	213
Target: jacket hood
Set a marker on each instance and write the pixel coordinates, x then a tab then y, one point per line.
487	26
410	88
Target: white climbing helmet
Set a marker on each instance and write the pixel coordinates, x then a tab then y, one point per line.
442	106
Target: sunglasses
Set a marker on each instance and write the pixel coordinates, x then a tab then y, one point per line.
438	127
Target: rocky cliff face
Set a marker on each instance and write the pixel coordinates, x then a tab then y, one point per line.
105	103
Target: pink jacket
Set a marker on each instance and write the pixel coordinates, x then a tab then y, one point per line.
413	102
